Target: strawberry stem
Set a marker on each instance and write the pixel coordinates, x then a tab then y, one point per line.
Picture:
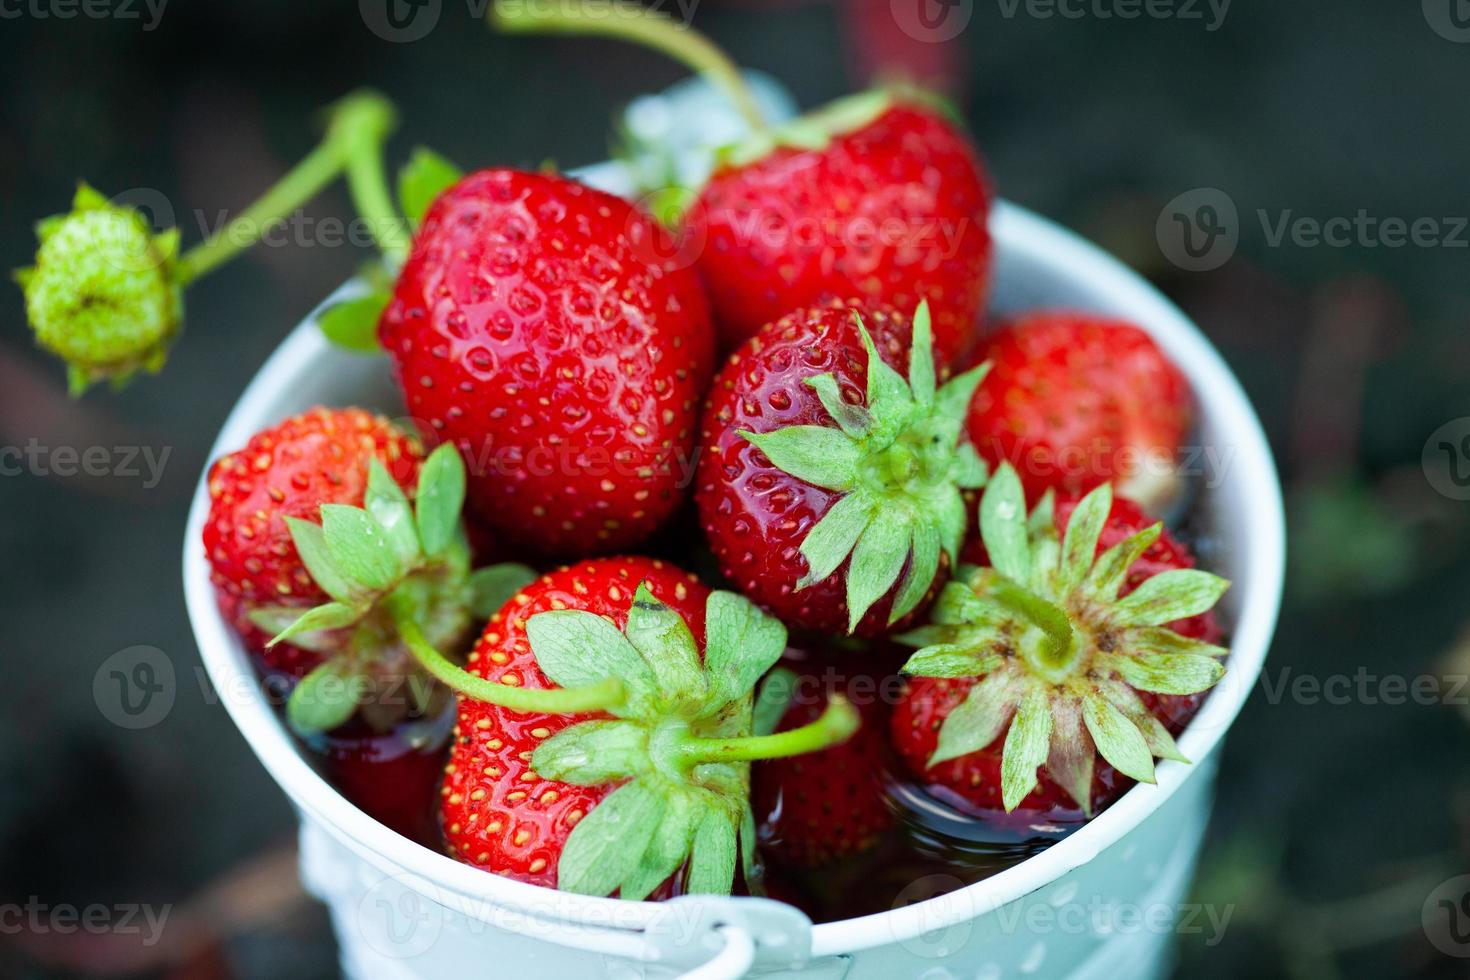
836	725
358	127
1058	653
650	28
602	696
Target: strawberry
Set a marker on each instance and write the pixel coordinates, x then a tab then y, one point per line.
815	809
1074	400
830	488
604	732
533	328
324	589
1074	650
876	197
284	473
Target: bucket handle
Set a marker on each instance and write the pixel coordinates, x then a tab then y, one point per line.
725	939
734	960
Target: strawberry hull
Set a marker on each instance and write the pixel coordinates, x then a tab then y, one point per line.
404	910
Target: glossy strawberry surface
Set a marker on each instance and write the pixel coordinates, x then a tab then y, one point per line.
1075	400
536	326
893	211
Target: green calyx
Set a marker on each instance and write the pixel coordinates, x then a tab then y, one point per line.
1058	658
900	462
677	742
388	556
105	293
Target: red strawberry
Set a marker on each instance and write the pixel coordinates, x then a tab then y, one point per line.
290	471
595	790
532	327
877	197
828	486
1063	657
313	539
889	204
819	808
1074	400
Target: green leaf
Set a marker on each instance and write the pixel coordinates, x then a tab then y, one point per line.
959	605
607	845
1161	639
886	390
949	515
1118	739
330	616
953	400
923	566
593	753
359	547
1166	673
851	419
1079	549
1046	547
829	543
1169	596
921	357
1003	525
712	858
311	545
386	503
1110	570
967	470
877	561
495	585
664	640
771	702
950	660
667	850
324	699
421	180
1160	743
978	720
440	499
353	324
576	648
741	644
1072	755
1027	745
820	455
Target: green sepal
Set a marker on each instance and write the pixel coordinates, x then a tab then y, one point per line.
323	618
979	719
353	324
607	845
667	850
592	753
440	499
772	700
576	648
388	506
820	455
662	637
495	585
1118	740
423	178
712	856
741	644
359	547
1028	743
324	699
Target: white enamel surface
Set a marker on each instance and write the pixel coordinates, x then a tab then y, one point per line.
1039	263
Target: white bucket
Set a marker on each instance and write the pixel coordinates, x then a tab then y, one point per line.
1098	904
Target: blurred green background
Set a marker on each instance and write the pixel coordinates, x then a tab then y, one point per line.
1337	816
